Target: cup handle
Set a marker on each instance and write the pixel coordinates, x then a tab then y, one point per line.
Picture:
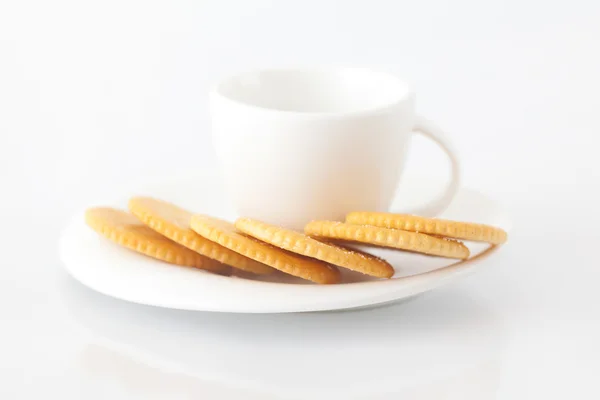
443	200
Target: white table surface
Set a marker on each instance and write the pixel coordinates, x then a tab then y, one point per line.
94	96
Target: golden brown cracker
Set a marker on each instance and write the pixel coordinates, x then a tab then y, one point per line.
127	231
431	226
306	246
227	235
395	238
174	222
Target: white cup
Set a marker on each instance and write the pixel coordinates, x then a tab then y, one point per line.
297	145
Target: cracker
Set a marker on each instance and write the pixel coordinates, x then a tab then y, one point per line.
432	226
174	222
227	235
127	231
395	238
306	246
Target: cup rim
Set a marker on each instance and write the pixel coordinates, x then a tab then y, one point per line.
216	93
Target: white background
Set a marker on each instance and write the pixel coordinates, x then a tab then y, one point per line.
96	95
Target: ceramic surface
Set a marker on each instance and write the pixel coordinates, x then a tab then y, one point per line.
114	271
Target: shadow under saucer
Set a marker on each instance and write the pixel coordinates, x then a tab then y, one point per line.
443	344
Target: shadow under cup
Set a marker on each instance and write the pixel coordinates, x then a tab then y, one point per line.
295	145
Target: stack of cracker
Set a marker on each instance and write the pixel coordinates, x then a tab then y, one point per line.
171	234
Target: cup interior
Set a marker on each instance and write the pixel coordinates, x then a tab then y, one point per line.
337	90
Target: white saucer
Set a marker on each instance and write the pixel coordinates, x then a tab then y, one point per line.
117	272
